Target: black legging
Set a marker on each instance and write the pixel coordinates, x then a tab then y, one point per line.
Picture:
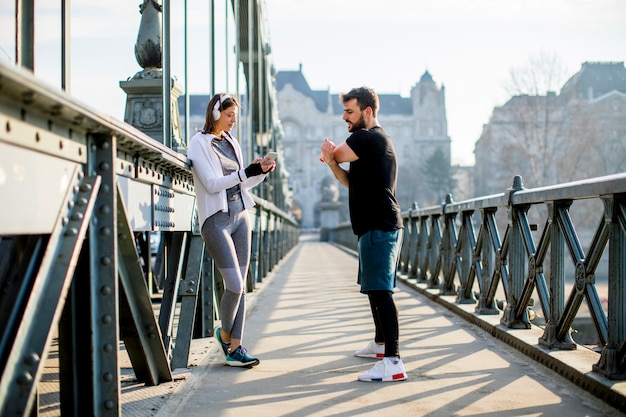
385	315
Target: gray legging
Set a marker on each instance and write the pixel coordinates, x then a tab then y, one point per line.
227	237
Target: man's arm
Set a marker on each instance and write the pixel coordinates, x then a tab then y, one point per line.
344	153
335	155
340	173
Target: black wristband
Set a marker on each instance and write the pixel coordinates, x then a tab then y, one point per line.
253	169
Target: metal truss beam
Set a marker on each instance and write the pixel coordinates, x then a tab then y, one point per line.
22	367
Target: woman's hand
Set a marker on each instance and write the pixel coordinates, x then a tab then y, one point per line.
267	165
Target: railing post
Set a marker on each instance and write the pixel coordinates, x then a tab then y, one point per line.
557	284
255	251
612	363
431	248
465	258
517	263
420	249
448	250
413	260
403	264
490	238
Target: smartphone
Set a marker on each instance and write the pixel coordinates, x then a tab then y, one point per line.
271	155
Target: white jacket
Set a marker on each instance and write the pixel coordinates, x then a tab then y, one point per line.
209	181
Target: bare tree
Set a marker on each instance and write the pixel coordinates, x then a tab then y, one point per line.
545	140
544	72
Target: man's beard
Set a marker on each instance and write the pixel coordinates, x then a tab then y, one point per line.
359	124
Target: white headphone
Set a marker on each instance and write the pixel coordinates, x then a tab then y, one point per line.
216	109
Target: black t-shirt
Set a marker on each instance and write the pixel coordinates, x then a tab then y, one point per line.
372	182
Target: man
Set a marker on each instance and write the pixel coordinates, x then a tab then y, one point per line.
375	216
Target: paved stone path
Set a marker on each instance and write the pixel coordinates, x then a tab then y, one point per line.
305	324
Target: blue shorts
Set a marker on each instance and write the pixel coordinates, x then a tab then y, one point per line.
378	260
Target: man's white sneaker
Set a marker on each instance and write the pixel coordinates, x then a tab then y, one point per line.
372	350
385	371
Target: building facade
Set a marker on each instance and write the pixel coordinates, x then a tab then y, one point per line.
555	138
417	125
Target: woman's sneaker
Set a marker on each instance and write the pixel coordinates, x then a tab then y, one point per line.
387	370
240	357
372	350
225	346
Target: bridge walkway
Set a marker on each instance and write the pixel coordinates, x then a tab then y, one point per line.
307	320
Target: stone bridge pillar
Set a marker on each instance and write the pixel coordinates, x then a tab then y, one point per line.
144	90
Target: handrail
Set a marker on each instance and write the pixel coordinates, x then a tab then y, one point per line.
475	263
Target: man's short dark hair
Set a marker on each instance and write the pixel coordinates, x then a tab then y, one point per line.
365	97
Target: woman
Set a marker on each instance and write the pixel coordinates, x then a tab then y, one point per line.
221	183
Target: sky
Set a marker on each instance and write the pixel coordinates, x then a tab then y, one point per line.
468	46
